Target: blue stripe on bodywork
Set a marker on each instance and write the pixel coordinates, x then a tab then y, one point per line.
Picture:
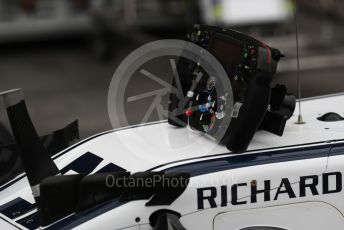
84	164
211	166
16	208
30	222
111	167
337	149
80	218
226	154
247	160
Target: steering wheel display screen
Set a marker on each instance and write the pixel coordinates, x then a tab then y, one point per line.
228	51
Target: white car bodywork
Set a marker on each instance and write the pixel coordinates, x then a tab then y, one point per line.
220	192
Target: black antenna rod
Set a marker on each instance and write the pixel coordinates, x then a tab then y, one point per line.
299	118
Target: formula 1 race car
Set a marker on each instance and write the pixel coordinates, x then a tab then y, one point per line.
244	164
